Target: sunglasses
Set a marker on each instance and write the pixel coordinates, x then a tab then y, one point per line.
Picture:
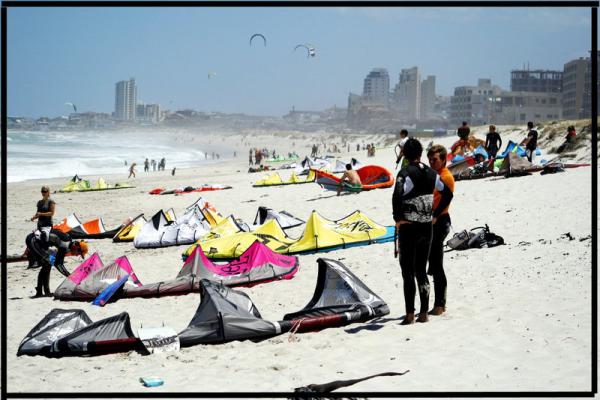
44	191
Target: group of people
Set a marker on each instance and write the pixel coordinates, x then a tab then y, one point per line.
259	154
160	165
371	150
420	202
39	244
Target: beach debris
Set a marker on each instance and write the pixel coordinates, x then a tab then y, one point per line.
567	236
152	381
331	386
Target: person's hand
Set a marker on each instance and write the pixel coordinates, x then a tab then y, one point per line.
433	220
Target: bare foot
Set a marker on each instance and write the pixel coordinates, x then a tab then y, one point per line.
409	318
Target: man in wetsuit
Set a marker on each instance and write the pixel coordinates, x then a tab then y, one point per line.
37	251
441	227
493	142
412	203
530	142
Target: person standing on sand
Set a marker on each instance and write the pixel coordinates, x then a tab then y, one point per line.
530	142
131	170
146	165
493	142
441	227
249	158
350	176
413	212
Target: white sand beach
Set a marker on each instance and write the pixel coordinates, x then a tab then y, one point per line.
518	316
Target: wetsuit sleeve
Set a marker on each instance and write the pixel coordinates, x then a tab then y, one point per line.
487	141
500	139
399	192
446	196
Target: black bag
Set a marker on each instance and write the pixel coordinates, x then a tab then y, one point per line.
460	241
476	238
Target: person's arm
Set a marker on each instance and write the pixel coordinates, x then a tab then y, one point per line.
445	199
49	213
500	139
403	186
487	141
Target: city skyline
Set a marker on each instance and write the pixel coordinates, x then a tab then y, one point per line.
64	55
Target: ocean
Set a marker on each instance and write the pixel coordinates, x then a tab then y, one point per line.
46	154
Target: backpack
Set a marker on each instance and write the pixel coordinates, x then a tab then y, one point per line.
476	238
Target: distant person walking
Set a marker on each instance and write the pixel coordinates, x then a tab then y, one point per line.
530	142
146	165
153	163
132	170
441	227
249	157
493	142
400	159
173	171
413	212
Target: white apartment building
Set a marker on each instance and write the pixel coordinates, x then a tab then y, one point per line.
376	86
407	94
126	100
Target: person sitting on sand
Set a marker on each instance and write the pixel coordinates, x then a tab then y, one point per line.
132	170
569	139
350	176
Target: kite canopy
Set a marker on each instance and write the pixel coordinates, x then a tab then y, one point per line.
340	298
129	231
77	184
258	35
285	219
92	229
371	176
312	163
320	234
72	332
340	166
224	315
275	180
91	277
513	165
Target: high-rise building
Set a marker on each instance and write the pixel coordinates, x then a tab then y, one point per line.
377	86
407	93
126	100
588	87
427	97
536	81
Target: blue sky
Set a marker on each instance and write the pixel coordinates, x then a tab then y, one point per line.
58	55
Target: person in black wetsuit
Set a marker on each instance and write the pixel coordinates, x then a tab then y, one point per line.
413	212
38	251
493	142
530	142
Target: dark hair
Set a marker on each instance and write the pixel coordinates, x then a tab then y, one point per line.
404	131
464	123
530	124
438	148
348	167
412	149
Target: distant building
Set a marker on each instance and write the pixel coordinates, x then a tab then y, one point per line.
126	100
376	87
477	105
407	94
577	89
521	107
427	97
536	81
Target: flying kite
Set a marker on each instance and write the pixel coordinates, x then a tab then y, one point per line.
211	73
258	34
310	50
72	105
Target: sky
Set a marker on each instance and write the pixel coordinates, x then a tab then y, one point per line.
60	55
